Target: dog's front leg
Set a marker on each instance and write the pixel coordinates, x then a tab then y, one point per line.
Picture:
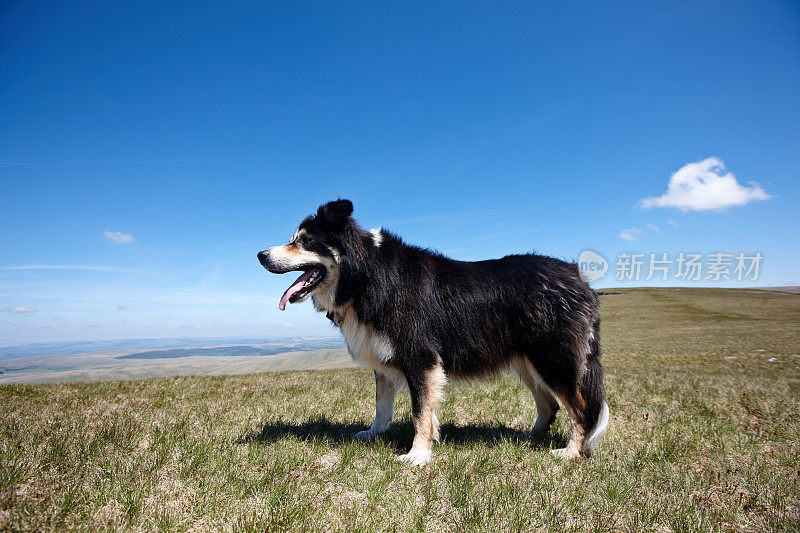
426	391
385	392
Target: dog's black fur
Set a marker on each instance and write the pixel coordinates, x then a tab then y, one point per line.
471	318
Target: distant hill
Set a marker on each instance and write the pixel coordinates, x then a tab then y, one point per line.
130	363
11	351
94	367
213	352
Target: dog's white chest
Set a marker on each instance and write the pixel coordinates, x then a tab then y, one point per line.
367	347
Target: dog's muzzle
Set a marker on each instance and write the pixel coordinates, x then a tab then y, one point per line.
263	258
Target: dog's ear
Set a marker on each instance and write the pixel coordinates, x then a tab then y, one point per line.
335	212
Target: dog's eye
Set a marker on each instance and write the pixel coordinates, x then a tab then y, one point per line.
304	240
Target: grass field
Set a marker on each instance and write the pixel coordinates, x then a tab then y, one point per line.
704	435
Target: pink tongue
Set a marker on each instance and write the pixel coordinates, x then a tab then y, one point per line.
296	286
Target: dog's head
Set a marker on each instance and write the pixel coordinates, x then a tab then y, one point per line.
316	249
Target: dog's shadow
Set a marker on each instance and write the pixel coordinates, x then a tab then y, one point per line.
399	435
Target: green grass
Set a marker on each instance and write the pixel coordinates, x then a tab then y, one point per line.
703	436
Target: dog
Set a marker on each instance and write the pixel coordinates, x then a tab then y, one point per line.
419	319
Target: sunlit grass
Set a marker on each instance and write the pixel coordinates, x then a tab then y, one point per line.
703	436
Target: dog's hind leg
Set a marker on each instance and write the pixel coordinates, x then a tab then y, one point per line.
546	403
426	392
385	392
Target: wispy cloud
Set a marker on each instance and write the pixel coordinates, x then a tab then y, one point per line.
131	161
99	268
705	186
139	295
630	234
633	234
119	237
18	309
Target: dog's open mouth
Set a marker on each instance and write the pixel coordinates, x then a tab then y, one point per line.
303	286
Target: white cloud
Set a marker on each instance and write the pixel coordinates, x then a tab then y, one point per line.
118	237
673	223
705	186
18	309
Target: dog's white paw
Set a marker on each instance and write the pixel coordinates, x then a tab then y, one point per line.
415	457
372	433
565	453
366	435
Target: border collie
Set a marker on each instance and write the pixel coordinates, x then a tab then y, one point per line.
418	318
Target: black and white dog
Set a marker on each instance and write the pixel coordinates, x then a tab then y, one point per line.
418	318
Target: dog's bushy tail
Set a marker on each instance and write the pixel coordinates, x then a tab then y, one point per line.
593	392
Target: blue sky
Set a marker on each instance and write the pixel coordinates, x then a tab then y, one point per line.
149	150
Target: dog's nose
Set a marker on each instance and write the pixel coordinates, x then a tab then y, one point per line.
263	257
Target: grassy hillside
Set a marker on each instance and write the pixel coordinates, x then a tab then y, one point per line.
703	389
